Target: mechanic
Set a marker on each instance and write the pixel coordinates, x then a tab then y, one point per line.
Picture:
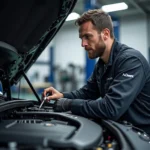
119	87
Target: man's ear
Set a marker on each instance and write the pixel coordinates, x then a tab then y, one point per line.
105	34
105	37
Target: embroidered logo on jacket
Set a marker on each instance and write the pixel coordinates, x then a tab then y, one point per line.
128	75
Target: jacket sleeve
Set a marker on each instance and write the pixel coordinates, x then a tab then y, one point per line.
128	82
88	91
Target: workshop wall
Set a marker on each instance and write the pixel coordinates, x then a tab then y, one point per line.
68	46
40	71
69	58
134	33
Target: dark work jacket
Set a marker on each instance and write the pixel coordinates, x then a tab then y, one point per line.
123	85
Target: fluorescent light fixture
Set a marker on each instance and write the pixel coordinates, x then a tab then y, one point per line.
73	16
115	7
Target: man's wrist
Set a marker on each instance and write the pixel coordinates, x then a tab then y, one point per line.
61	95
63	104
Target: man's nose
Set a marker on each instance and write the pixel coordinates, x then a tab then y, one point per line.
84	43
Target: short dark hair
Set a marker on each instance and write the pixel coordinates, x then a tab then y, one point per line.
99	19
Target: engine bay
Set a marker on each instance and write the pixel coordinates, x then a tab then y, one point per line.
24	126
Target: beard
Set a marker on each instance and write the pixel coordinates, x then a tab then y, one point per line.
98	50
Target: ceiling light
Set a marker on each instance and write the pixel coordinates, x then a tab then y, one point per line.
115	7
73	16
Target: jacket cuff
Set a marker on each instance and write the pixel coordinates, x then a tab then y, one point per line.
67	95
76	106
62	104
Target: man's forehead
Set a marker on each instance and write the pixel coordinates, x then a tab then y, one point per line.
86	26
82	31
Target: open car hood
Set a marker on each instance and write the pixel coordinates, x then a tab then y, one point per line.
26	28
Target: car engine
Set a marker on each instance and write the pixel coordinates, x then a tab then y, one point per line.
24	126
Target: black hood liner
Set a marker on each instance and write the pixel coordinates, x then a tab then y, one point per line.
23	22
26	28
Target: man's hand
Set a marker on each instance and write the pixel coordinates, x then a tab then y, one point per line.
53	94
62	104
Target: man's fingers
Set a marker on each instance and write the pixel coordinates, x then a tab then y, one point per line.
54	94
53	97
45	91
48	90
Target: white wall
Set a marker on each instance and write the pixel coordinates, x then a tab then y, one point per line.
134	33
68	47
68	50
42	70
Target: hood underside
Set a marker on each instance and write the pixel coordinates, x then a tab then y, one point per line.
26	28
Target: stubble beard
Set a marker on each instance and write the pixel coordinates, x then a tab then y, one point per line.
99	50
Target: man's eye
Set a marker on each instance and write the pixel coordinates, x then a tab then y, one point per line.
87	36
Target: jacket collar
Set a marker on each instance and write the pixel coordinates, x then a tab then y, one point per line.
114	51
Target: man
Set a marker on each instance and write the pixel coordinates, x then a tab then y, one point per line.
121	77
